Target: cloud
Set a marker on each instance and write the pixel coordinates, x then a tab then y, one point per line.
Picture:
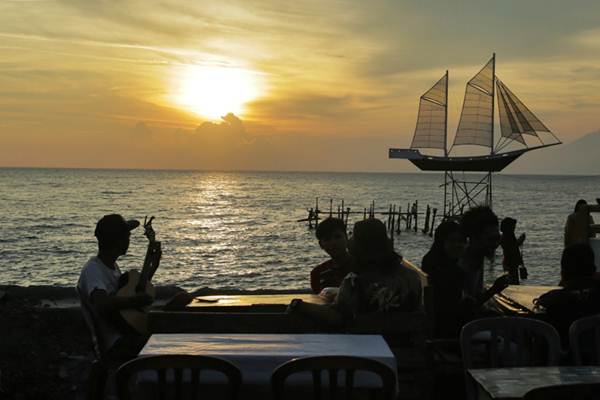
76	75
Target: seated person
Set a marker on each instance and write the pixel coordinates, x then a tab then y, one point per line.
580	295
452	306
381	282
480	226
331	234
446	278
99	282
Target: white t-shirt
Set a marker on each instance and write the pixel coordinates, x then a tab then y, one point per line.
96	275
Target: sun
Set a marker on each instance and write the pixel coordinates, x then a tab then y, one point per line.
215	91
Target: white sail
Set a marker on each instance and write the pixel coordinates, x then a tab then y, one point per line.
508	122
431	122
476	120
515	118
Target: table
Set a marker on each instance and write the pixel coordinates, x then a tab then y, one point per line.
514	383
250	300
257	355
519	299
245	313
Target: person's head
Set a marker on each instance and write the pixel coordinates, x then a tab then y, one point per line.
577	262
580	202
449	239
480	225
331	234
370	245
112	232
508	225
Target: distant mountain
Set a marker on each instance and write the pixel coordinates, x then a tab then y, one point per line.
581	157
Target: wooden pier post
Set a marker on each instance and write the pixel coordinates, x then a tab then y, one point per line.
432	223
398	228
317	211
392	220
346	219
426	227
416	214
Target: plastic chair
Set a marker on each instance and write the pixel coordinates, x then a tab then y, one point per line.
333	364
579	391
584	340
99	371
507	342
178	364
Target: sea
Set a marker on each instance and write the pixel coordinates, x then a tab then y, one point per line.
240	230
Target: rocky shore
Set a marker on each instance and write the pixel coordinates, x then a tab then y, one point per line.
45	346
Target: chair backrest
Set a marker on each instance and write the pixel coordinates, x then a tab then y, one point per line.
333	365
579	391
584	340
509	342
178	387
89	315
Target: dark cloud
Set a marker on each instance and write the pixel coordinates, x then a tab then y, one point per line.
414	35
306	106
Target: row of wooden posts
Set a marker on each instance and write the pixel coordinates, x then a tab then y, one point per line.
393	216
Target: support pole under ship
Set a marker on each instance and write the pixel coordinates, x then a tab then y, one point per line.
479	104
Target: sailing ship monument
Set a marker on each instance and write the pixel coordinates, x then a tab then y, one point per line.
475	127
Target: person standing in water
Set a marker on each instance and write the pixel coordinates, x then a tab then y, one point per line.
577	227
510	247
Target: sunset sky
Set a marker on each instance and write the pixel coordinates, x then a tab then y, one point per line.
311	85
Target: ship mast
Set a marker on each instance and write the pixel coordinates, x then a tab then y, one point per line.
489	183
493	98
446	120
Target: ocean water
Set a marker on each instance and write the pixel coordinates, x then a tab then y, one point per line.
239	229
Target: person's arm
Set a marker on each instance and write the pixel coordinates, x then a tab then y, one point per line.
499	285
107	304
315	282
323	313
179	301
521	239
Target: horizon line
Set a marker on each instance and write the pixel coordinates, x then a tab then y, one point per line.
277	171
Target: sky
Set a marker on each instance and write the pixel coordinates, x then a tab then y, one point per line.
270	85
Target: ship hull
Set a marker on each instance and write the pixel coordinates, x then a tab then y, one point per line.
489	163
474	164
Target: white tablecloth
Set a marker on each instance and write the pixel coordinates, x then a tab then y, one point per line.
257	355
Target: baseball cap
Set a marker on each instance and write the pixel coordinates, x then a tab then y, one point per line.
114	225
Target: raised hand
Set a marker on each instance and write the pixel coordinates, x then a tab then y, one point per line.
148	230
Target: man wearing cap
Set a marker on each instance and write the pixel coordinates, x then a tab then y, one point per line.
99	282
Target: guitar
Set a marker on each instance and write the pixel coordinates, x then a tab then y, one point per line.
136	282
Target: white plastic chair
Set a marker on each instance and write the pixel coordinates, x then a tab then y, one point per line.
584	340
507	342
